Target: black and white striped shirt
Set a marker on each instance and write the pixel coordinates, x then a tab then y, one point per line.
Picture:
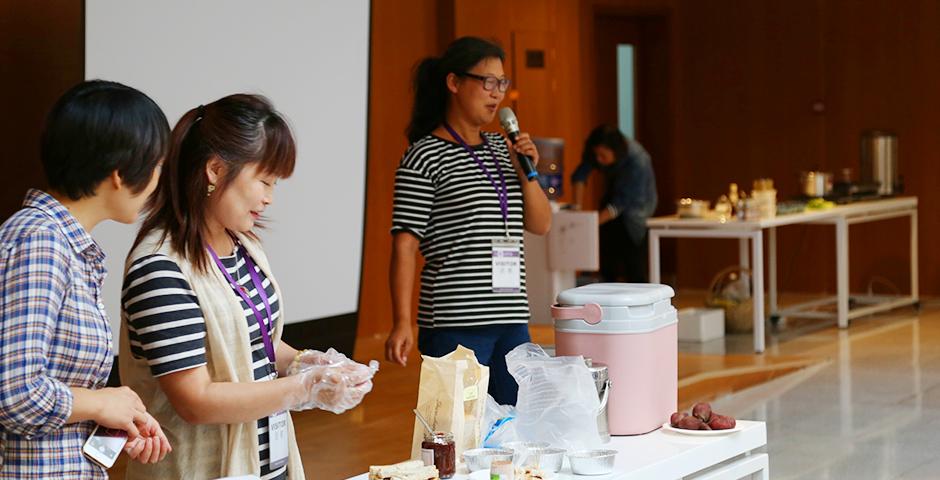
444	198
167	329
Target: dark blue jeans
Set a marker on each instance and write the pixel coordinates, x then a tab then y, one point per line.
490	343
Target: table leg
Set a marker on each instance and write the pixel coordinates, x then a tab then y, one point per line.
915	281
744	260
842	271
655	274
772	269
758	279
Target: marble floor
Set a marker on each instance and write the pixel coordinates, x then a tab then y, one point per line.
869	410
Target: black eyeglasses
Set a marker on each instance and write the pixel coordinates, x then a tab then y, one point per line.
490	82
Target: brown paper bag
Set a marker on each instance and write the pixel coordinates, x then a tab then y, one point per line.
452	397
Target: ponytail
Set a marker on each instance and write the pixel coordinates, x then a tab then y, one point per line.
430	103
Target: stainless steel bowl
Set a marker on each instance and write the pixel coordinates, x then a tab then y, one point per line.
524	445
481	458
816	184
521	449
592	462
546	459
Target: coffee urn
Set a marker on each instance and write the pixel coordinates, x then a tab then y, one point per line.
879	161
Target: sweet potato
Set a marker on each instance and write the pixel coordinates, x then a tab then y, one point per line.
674	419
690	423
721	422
702	411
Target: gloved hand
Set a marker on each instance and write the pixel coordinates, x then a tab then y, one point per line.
331	381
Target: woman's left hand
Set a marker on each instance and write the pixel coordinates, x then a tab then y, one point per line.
151	446
525	146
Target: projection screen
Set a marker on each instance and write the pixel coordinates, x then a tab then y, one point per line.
311	58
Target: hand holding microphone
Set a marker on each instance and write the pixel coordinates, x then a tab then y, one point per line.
509	122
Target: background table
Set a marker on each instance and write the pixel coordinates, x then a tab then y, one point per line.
840	216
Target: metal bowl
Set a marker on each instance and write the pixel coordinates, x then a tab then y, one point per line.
546	459
524	445
481	458
592	462
522	449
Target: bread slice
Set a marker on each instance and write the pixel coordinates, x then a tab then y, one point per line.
410	470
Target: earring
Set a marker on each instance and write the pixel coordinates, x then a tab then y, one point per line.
211	189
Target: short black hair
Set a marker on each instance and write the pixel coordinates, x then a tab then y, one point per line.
607	136
98	127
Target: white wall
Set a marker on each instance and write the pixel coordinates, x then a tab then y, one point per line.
311	59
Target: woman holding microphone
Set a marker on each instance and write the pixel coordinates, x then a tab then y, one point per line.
463	201
202	311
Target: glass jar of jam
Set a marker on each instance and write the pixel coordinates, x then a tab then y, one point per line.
438	448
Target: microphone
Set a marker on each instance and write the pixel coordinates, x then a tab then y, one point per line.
509	122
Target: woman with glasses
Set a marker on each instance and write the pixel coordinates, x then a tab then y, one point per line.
462	200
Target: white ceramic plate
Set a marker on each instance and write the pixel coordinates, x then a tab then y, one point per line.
701	433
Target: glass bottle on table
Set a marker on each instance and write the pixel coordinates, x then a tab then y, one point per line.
438	449
733	198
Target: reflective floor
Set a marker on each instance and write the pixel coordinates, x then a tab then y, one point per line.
870	410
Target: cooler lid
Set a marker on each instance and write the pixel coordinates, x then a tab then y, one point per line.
616	294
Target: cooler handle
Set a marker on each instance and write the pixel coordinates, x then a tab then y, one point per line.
589	312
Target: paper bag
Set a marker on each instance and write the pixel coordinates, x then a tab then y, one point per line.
452	398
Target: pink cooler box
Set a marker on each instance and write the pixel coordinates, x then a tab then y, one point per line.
633	329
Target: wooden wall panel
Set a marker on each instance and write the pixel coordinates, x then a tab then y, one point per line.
403	32
42	54
750	75
882	72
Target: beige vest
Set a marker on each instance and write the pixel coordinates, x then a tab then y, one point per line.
205	451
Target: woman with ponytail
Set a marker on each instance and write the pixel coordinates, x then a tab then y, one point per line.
462	200
202	311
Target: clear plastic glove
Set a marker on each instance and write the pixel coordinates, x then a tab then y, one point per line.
331	381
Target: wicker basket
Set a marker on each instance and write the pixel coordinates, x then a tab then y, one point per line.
730	290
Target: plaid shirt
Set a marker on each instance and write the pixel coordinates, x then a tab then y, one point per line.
54	335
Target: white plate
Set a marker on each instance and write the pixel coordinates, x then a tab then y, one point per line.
701	433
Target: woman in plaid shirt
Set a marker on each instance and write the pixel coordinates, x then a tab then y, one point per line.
102	144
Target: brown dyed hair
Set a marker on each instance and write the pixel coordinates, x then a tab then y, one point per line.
239	129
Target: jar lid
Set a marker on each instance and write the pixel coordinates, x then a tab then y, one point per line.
446	436
616	294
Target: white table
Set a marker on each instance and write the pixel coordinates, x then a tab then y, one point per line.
664	455
841	216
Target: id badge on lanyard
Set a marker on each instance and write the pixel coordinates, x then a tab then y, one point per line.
278	426
506	252
277	439
507	257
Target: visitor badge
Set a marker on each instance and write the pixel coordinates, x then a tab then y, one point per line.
277	439
507	261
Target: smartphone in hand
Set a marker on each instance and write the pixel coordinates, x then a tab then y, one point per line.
105	445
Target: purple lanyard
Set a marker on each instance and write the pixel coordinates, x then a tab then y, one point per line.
503	192
265	336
